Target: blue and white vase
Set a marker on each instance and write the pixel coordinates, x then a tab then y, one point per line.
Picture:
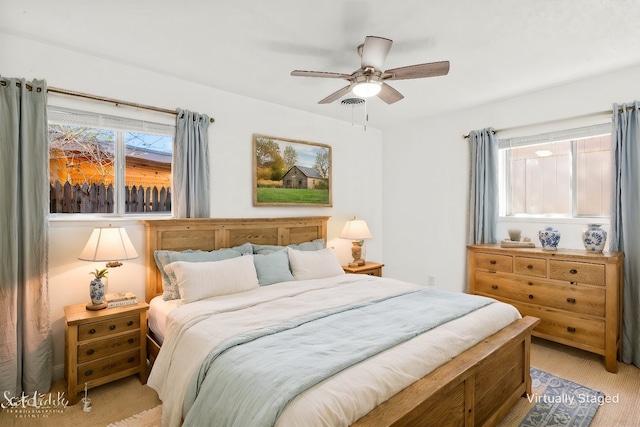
594	238
97	291
549	238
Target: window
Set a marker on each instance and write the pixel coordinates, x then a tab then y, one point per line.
564	173
108	165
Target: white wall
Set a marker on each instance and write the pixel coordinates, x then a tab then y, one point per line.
356	161
426	173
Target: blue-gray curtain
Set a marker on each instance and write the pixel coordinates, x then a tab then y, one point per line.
483	191
25	328
191	166
624	235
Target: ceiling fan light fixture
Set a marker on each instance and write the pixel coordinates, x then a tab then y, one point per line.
367	89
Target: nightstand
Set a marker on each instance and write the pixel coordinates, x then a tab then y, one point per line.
104	345
370	268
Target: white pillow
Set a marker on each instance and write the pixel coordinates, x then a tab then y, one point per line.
314	264
199	280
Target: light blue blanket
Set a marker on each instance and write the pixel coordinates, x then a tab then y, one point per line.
249	380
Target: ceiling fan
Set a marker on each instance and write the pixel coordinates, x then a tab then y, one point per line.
369	79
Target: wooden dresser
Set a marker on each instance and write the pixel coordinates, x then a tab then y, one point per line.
104	345
576	294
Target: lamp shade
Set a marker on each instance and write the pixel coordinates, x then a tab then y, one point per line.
108	244
356	229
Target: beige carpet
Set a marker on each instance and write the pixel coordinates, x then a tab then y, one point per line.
109	403
127	403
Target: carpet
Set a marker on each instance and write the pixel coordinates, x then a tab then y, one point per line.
560	402
148	418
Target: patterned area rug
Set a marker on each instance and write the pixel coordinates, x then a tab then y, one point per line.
559	402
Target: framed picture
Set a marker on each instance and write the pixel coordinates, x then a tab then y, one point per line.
290	172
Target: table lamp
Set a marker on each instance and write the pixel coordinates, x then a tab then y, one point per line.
356	230
109	244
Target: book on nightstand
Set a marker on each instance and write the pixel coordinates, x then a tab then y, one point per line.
120	299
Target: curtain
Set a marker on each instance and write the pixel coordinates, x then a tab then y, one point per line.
191	166
483	191
625	221
25	328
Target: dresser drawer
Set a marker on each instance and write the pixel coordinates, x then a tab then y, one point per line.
581	330
116	325
91	371
530	266
577	272
494	262
106	347
574	298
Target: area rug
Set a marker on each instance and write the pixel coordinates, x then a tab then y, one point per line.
149	418
559	402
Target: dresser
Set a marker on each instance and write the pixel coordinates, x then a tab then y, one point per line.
104	345
577	295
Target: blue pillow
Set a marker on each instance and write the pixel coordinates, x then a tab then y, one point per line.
272	267
163	258
314	245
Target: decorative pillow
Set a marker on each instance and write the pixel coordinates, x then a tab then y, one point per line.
163	258
199	280
314	264
273	268
313	245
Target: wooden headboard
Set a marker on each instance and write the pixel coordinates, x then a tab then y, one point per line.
214	233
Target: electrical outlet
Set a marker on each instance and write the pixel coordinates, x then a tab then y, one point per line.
432	281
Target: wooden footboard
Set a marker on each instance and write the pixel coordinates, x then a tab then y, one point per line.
476	388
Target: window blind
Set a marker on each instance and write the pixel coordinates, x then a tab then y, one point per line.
560	135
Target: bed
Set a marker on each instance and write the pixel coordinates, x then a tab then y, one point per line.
476	386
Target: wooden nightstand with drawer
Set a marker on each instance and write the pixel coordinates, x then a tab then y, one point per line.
576	294
370	268
104	345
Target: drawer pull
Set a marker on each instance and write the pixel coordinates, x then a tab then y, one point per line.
530	267
530	296
130	340
530	283
89	372
571	329
112	327
571	300
492	262
131	359
92	331
573	271
90	351
130	322
494	286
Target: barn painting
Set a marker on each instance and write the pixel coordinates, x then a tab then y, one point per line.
291	172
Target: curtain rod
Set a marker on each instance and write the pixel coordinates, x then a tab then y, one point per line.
601	113
113	101
103	99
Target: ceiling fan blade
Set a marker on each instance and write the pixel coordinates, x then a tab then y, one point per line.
374	52
326	74
389	94
335	95
431	69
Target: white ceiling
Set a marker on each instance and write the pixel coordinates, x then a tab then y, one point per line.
497	48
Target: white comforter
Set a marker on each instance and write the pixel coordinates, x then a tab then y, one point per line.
192	330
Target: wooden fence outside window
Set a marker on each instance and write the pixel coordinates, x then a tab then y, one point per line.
98	198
